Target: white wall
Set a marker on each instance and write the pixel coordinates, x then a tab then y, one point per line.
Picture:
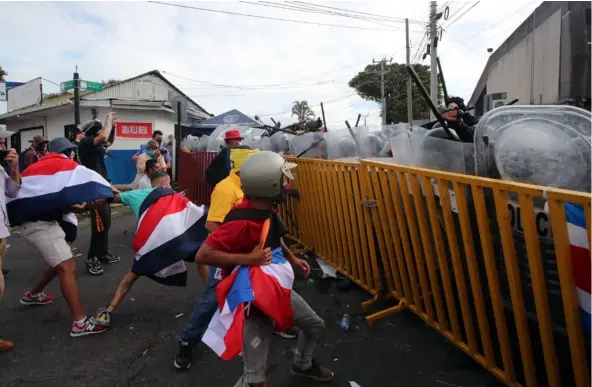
512	73
54	125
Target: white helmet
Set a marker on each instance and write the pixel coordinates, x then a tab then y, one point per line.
262	175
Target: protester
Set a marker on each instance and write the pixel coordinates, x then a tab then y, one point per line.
227	195
36	151
152	153
156	136
42	201
151	166
219	166
79	135
4	134
159	208
252	236
92	150
9	187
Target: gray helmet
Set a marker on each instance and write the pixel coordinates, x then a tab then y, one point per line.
60	145
262	175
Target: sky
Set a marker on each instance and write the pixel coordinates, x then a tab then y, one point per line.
258	65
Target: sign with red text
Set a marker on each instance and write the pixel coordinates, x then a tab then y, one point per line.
133	129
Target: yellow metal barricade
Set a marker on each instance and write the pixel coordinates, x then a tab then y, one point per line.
443	261
331	220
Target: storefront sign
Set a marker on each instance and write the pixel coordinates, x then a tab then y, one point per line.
133	129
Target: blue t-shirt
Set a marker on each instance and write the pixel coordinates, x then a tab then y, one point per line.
135	198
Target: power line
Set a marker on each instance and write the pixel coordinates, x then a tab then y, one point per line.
362	13
461	42
451	17
463	14
324	103
272	18
297	7
501	20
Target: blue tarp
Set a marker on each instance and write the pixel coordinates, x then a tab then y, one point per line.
231	117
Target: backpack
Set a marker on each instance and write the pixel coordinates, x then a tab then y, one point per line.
219	167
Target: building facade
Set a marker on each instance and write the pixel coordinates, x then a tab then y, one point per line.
143	104
546	60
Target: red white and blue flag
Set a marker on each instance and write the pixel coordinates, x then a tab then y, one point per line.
580	258
171	229
266	288
53	184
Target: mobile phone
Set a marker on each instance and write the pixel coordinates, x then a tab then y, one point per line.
3	154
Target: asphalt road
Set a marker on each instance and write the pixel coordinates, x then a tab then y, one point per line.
139	349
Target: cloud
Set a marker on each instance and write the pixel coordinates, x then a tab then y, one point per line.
268	63
69	55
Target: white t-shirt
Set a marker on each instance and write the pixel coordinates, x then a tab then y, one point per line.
144	182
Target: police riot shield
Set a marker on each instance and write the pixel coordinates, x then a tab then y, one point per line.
541	145
309	145
280	142
190	144
217	137
203	143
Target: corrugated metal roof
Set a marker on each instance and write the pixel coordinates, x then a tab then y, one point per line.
146	87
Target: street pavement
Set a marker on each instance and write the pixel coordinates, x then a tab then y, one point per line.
139	349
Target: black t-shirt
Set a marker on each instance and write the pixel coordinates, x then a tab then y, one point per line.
93	156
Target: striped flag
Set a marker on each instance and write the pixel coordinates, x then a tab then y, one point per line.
171	229
580	257
266	288
53	184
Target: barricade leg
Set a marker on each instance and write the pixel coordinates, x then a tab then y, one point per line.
402	305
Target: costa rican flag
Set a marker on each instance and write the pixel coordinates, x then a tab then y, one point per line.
266	288
171	229
580	257
53	184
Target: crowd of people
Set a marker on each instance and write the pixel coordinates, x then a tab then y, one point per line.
237	244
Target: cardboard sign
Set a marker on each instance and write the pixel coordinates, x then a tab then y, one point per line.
133	129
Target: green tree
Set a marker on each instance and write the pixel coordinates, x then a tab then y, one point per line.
302	111
3	74
110	82
367	84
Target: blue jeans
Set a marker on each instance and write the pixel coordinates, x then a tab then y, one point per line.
204	311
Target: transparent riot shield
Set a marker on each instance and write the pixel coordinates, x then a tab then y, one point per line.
203	143
253	138
217	137
280	142
309	145
541	145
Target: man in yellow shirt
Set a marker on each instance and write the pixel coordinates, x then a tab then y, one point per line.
227	194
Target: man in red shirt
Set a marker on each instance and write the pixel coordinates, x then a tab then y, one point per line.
237	242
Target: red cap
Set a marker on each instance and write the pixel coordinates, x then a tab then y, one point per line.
233	135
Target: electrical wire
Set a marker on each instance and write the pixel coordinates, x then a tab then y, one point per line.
386	18
463	14
296	7
463	43
501	20
324	103
451	17
272	18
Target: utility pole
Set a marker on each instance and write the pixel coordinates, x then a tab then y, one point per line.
382	96
76	98
382	92
434	55
409	92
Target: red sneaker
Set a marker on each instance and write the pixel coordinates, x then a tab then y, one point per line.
88	327
36	299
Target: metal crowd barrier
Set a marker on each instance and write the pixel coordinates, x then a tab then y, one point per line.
442	245
191	175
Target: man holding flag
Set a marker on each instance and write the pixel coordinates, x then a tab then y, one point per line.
256	293
170	230
50	188
227	194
